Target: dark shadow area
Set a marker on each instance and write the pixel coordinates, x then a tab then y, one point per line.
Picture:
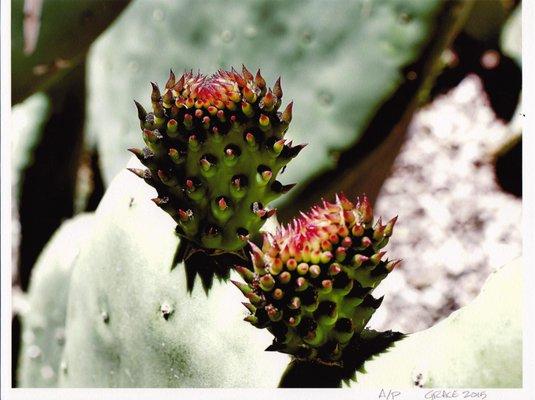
312	374
98	188
48	184
16	332
500	74
206	263
508	169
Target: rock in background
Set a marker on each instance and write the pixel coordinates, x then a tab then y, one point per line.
455	224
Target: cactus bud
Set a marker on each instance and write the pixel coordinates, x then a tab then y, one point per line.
326	265
185	135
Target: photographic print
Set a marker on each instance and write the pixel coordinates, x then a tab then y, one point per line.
264	194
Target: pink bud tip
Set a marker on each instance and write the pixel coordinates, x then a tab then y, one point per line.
266	175
249	137
327	284
183	215
222	204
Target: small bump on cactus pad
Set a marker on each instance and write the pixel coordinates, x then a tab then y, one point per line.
312	280
214	146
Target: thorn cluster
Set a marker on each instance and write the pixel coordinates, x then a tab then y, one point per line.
214	146
312	280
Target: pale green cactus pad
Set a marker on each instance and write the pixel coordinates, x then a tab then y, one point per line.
131	321
43	336
478	346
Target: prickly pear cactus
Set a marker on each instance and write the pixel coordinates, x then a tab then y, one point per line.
477	346
28	119
40	53
511	35
339	63
131	320
43	321
215	145
312	280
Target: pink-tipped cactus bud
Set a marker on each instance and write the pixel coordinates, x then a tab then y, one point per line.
214	129
316	279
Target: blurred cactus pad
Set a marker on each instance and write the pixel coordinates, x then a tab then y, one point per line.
339	61
49	37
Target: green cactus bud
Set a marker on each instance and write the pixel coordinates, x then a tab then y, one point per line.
214	148
223	132
326	264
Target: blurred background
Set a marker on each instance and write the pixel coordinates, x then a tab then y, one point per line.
416	103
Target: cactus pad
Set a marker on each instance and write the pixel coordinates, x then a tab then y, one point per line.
214	146
312	280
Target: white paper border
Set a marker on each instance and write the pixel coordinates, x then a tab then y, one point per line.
528	96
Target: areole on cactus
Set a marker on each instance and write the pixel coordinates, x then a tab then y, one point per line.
215	145
312	280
